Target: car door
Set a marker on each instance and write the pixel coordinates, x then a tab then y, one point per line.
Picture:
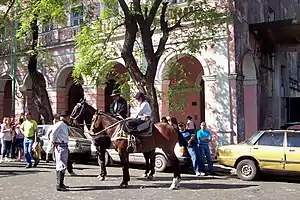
293	151
269	150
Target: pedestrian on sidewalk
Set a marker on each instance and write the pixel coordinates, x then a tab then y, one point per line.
204	138
19	140
29	130
6	139
192	148
58	138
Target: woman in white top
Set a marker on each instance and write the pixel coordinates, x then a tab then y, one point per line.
190	125
6	137
19	140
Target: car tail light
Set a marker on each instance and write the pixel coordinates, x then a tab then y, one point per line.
182	150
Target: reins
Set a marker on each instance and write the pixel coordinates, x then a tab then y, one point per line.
109	127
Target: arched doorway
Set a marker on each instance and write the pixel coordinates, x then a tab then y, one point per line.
250	95
7	99
74	91
112	84
194	100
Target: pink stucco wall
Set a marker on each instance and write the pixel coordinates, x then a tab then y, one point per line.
250	109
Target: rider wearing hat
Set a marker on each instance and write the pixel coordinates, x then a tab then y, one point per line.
119	105
143	114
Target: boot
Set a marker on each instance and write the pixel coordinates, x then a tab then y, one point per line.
60	181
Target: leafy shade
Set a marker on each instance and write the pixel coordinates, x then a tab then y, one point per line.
140	33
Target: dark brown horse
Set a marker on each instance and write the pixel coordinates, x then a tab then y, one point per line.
163	136
83	112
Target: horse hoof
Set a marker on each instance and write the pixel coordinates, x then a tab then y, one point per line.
173	187
144	175
150	177
123	185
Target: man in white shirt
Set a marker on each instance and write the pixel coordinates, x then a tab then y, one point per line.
142	115
59	140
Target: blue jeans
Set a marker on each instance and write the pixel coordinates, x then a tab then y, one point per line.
205	153
28	142
195	157
6	146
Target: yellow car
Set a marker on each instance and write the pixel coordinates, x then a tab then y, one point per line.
274	150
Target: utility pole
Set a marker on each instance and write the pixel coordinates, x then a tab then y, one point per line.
14	59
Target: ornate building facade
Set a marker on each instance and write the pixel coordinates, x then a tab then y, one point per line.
243	86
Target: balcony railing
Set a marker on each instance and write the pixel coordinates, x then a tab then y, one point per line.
58	36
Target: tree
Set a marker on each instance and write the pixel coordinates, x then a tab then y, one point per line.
98	43
31	14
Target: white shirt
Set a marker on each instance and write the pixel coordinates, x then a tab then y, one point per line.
5	135
190	124
144	110
59	133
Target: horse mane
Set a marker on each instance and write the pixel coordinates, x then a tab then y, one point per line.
109	115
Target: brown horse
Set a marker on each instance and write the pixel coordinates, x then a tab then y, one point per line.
163	136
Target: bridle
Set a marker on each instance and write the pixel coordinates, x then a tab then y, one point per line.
98	113
80	112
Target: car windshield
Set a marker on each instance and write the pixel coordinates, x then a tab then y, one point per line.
76	133
251	140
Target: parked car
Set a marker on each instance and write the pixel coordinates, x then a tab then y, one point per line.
79	145
161	161
266	151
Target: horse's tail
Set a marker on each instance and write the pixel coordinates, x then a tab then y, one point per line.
182	141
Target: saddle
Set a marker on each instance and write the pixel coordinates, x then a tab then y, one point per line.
145	129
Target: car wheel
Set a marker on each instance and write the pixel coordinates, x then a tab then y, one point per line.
247	170
160	163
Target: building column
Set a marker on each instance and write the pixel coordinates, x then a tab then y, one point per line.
94	96
276	98
1	106
236	90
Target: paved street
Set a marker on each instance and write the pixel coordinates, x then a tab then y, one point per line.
18	183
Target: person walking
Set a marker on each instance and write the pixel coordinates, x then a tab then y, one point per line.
58	138
204	137
29	130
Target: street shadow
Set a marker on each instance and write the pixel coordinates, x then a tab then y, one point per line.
95	176
8	173
201	186
281	178
187	178
190	186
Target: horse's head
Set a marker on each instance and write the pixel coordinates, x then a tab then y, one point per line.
78	109
100	121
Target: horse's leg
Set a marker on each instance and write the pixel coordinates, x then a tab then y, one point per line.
124	157
176	169
101	162
152	163
147	158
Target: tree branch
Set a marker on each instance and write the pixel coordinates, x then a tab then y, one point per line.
138	12
9	8
124	7
165	30
153	12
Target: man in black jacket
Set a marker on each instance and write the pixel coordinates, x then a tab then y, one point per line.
119	106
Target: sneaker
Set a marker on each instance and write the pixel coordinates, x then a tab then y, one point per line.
28	166
145	175
200	174
6	159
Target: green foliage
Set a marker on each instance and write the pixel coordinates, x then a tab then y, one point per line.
180	85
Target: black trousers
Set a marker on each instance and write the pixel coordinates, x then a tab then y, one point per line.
70	164
132	124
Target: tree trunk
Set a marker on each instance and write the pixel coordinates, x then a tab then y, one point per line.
151	93
39	93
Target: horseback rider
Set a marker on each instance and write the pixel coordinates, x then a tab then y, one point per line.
143	114
119	106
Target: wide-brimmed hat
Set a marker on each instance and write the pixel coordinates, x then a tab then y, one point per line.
65	114
115	93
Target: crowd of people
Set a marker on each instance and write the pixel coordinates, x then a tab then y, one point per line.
197	143
18	139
